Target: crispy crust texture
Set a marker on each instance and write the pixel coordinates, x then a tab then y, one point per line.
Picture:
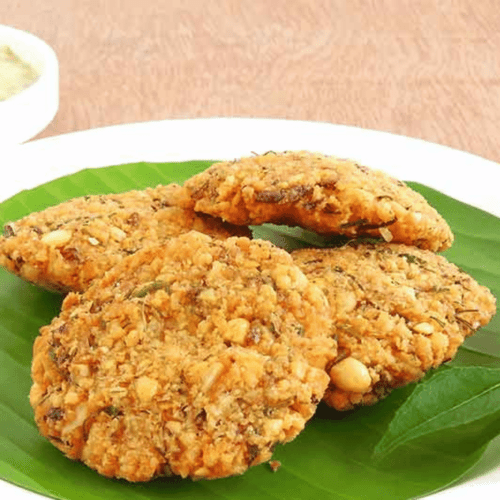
65	247
324	194
398	310
194	358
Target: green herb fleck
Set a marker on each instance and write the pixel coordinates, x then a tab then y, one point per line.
55	414
112	411
8	231
151	287
413	259
299	330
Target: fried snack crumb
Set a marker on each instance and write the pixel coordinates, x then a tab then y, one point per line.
274	465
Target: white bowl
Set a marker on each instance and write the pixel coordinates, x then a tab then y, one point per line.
27	113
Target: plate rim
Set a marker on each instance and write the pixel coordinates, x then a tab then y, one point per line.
393	159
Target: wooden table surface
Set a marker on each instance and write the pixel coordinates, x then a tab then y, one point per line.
422	68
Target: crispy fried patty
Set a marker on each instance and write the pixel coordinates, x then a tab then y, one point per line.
65	247
323	194
397	312
193	358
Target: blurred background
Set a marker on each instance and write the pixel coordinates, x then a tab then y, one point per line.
422	68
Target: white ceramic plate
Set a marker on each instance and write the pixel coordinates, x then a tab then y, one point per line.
461	175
